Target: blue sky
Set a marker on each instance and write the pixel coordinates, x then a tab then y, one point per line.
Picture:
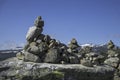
89	21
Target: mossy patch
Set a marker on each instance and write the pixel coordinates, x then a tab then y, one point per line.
55	75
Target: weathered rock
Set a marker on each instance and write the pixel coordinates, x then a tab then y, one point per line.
29	57
40	37
43	46
110	45
34	50
33	33
33	44
53	43
73	44
91	54
86	62
20	55
47	39
19	70
39	22
73	60
114	62
53	56
73	41
111	53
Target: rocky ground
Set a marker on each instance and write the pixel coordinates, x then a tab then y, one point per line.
14	69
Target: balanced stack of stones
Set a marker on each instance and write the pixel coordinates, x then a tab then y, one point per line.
42	48
34	43
73	48
112	59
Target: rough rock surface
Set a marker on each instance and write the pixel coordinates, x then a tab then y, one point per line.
14	69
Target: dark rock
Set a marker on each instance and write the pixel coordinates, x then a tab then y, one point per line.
73	60
29	57
110	45
53	56
39	22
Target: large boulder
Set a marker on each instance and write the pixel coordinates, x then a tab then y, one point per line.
29	57
114	62
53	56
34	50
18	70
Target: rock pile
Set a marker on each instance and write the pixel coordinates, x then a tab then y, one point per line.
42	48
113	58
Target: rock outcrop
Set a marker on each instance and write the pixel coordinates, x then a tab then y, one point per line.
15	69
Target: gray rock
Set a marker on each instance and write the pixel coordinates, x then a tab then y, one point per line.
91	54
47	39
40	37
39	22
29	57
86	62
19	70
73	60
53	56
111	53
20	55
34	50
43	46
33	33
110	45
114	62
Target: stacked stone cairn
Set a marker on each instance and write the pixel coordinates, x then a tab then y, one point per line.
113	58
41	48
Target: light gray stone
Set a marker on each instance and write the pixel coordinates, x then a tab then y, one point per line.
33	33
112	61
29	57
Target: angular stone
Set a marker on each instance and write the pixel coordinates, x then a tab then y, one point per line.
114	62
34	50
20	56
87	63
39	22
73	41
110	45
73	60
41	37
42	46
33	33
33	44
29	57
47	39
53	56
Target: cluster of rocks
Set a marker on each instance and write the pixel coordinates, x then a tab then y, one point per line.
113	58
42	48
